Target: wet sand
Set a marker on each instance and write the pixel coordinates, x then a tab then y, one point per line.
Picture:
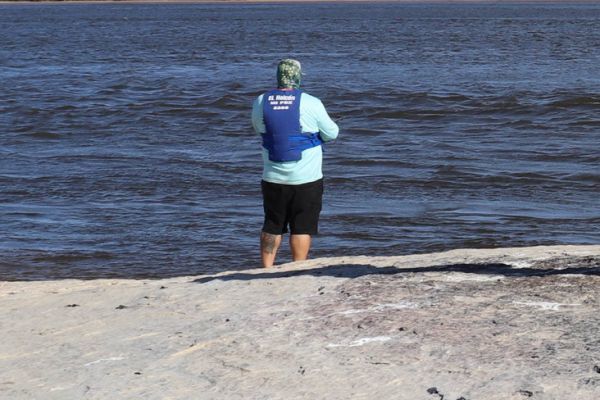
466	324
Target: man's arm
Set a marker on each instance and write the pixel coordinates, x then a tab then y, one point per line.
328	130
257	116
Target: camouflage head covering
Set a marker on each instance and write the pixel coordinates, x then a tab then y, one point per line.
288	73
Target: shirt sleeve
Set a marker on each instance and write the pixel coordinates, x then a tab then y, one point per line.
257	116
328	130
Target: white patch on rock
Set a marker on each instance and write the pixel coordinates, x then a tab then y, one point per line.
520	264
57	388
103	360
379	308
460	277
361	341
545	305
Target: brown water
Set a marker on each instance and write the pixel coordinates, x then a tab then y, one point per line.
126	147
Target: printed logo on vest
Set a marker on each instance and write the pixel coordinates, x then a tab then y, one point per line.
281	102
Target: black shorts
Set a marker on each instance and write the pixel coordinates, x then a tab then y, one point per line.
298	206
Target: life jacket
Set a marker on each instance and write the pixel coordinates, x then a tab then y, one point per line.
284	138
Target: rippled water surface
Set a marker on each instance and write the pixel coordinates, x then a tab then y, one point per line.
126	147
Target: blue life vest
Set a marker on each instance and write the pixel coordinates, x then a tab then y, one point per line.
284	138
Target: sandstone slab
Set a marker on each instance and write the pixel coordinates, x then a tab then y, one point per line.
465	324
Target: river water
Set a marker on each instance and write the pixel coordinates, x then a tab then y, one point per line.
126	148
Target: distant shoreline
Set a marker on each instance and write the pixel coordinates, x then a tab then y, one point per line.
489	2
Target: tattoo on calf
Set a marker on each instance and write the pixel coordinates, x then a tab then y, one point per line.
267	242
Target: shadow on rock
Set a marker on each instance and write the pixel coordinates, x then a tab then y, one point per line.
358	270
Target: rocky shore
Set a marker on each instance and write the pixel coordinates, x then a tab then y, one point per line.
501	324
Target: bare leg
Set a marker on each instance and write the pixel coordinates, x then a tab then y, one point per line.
269	244
300	245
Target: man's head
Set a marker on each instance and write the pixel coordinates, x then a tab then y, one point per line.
288	74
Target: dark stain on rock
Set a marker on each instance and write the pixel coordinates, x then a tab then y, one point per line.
301	370
560	266
121	307
597	369
72	305
590	381
434	390
163	287
562	263
525	393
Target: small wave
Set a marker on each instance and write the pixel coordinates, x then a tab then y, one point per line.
365	132
9	192
581	123
512	104
452	175
233	86
578	101
175	111
437	97
571	156
66	107
32	111
230	102
583	178
72	257
118	86
43	135
357	162
411	114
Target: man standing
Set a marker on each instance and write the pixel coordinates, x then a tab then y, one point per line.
293	125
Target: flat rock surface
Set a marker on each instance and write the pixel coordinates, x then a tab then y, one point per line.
519	323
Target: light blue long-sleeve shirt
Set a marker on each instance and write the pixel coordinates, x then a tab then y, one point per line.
313	118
